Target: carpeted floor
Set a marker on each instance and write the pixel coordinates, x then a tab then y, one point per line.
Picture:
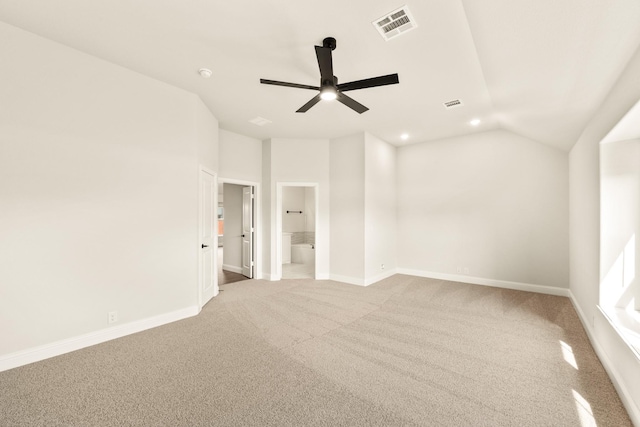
406	351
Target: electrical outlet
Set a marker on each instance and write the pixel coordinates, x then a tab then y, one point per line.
113	317
466	270
381	266
459	269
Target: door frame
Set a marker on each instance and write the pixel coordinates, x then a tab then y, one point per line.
203	169
257	221
278	257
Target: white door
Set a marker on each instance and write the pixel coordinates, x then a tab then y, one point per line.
208	237
247	232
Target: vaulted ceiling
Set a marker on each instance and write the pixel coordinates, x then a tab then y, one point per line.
537	68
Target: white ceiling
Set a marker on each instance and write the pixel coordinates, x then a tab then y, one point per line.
537	68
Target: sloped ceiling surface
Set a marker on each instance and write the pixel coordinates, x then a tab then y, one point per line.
537	68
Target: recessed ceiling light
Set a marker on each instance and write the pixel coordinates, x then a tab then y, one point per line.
404	136
205	72
474	122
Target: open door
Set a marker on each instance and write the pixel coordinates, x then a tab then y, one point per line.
208	237
247	232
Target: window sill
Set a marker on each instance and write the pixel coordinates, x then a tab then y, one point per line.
626	322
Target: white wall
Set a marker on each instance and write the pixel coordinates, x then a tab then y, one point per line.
585	236
309	209
494	203
347	208
99	192
240	157
207	136
303	161
293	199
363	209
232	253
269	244
379	208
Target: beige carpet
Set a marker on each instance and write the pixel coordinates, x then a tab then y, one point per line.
404	352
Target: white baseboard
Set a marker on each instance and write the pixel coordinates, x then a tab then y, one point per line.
505	284
361	281
24	357
347	279
323	276
232	268
269	277
379	277
609	366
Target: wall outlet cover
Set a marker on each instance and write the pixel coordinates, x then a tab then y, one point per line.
113	317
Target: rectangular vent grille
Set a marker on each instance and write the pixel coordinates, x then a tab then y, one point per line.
395	23
260	121
453	104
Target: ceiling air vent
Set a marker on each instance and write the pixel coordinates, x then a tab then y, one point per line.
453	104
395	23
260	121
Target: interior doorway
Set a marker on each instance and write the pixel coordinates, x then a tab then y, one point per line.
237	231
297	222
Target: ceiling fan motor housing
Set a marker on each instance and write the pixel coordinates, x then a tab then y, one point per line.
324	83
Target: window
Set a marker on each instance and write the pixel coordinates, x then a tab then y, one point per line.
620	227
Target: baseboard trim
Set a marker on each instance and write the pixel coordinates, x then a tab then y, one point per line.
347	279
379	277
232	268
505	284
614	375
36	354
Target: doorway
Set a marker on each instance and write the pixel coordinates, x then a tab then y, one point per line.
237	231
296	230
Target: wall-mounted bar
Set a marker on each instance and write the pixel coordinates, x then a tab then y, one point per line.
298	212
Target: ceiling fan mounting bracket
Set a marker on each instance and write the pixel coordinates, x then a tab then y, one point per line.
329	42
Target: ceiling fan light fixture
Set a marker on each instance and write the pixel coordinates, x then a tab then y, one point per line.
475	122
328	93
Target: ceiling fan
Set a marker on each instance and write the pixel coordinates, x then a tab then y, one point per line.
329	88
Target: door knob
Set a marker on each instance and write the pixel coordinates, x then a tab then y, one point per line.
204	246
243	235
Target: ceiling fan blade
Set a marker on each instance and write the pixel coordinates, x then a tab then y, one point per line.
296	85
390	79
309	104
325	62
351	103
